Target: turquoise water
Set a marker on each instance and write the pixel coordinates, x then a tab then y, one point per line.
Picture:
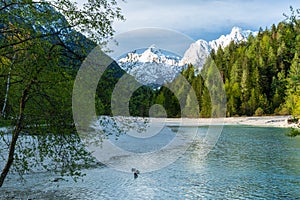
246	163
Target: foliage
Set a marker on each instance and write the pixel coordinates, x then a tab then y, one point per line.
141	102
40	51
261	76
5	123
294	132
259	112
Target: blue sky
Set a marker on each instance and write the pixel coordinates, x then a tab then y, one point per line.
202	19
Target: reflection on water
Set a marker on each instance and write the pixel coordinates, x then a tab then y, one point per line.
246	163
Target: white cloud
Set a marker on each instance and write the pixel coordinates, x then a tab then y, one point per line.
199	17
208	16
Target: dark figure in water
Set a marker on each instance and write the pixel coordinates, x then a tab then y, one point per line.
135	173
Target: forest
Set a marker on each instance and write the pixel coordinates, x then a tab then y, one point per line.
260	76
41	50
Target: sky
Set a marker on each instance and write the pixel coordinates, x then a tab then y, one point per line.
202	19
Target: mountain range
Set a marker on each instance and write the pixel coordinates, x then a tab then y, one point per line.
154	66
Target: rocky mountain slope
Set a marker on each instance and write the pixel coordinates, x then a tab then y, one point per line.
154	66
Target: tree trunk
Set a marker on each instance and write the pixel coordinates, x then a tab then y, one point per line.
15	135
7	88
6	94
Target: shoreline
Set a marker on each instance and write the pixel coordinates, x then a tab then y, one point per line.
260	121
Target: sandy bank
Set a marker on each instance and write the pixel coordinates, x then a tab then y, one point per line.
266	121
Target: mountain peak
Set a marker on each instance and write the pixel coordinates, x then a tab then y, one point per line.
150	55
199	50
154	65
197	53
153	49
153	46
236	29
236	35
241	35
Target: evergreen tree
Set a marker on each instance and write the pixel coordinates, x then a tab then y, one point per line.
293	89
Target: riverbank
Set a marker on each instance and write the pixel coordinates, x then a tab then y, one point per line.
263	121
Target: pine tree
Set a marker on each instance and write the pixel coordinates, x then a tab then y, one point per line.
293	88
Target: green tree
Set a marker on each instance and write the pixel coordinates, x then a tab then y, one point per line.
39	38
206	107
293	88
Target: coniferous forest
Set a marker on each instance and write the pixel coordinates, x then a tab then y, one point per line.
261	76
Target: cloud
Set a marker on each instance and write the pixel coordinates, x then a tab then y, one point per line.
169	40
204	19
202	15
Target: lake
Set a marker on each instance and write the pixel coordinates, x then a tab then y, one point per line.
246	163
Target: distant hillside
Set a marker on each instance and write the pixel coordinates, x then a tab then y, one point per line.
261	75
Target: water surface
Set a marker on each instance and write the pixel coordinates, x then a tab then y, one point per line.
246	163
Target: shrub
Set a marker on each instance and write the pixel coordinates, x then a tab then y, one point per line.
259	112
294	132
283	111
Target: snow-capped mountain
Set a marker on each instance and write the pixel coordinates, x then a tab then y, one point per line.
196	54
152	67
198	51
156	67
150	55
237	35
